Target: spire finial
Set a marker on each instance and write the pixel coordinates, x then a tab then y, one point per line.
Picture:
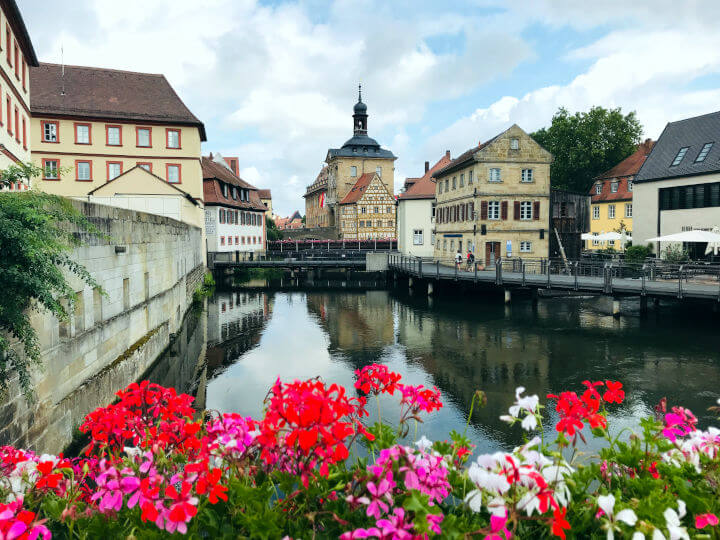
359	92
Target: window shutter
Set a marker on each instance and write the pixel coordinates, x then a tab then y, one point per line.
472	209
536	210
483	209
504	210
516	210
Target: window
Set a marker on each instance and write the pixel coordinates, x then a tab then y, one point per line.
8	39
9	115
83	170
527	175
596	212
596	242
439	187
353	171
17	125
454	182
687	197
361	223
82	133
24	72
613	187
447	185
114	169
50	169
704	152
462	180
221	216
470	177
611	211
222	243
50	132
363	210
113	135
611	242
146	166
24	133
174	176
417	237
630	185
598	189
17	61
444	245
525	246
628	209
376	210
526	210
172	138
143	136
234	193
514	144
494	210
680	155
224	189
378	171
495	175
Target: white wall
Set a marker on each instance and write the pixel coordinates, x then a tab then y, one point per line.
216	230
646	206
415	214
162	205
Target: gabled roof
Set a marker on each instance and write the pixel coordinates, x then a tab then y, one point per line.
14	17
464	158
109	94
358	190
424	187
118	181
631	164
213	169
320	182
606	194
213	174
264	194
692	133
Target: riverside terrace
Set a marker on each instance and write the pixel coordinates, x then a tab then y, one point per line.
655	280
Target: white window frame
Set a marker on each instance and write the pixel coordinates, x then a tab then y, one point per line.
598	189
111	139
525	246
611	211
51	173
110	168
514	144
614	187
83	165
527	176
595	242
140	143
630	185
493	210
417	237
85	129
173	134
526	210
353	171
495	175
378	171
596	212
50	135
628	210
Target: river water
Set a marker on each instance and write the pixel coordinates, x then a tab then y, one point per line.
246	338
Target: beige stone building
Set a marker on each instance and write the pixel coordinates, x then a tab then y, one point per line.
494	200
345	165
316	209
368	210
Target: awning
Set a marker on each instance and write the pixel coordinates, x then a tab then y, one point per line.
688	236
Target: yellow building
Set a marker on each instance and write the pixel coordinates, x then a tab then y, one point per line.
368	210
494	200
345	165
15	62
612	199
90	125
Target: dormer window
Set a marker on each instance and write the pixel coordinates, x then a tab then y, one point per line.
234	193
704	152
630	185
598	189
613	187
514	144
224	190
680	155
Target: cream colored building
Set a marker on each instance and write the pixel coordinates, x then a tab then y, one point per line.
494	200
91	125
15	61
368	210
345	165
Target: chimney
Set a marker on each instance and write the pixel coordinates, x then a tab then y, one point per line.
427	166
447	154
211	156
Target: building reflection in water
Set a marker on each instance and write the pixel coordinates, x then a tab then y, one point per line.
461	345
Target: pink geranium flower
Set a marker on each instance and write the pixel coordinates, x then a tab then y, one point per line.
703	520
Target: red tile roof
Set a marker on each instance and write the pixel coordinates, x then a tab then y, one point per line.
213	174
108	94
424	187
631	164
621	173
264	194
358	189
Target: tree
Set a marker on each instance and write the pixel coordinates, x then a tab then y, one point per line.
273	233
35	242
587	144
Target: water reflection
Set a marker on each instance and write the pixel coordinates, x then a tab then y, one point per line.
460	345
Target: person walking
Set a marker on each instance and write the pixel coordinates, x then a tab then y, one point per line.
470	260
458	259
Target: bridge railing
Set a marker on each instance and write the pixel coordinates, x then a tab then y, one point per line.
379	244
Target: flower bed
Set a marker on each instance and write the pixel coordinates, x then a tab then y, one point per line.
152	469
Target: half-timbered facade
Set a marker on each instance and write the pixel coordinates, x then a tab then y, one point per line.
368	210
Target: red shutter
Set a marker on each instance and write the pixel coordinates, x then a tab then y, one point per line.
516	210
504	210
483	209
536	210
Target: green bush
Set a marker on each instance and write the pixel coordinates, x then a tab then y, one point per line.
637	254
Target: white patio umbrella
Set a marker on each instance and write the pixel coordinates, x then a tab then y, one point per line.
713	247
688	236
609	236
587	236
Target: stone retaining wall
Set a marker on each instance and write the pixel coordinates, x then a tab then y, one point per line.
148	268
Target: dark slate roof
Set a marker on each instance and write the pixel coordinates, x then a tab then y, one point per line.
360	146
109	94
691	132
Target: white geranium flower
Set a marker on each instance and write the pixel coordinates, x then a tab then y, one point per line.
487	480
674	526
607	505
424	443
474	500
529	422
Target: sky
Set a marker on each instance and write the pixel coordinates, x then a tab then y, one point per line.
275	82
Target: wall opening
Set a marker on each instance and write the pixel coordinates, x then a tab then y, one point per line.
97	306
126	294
